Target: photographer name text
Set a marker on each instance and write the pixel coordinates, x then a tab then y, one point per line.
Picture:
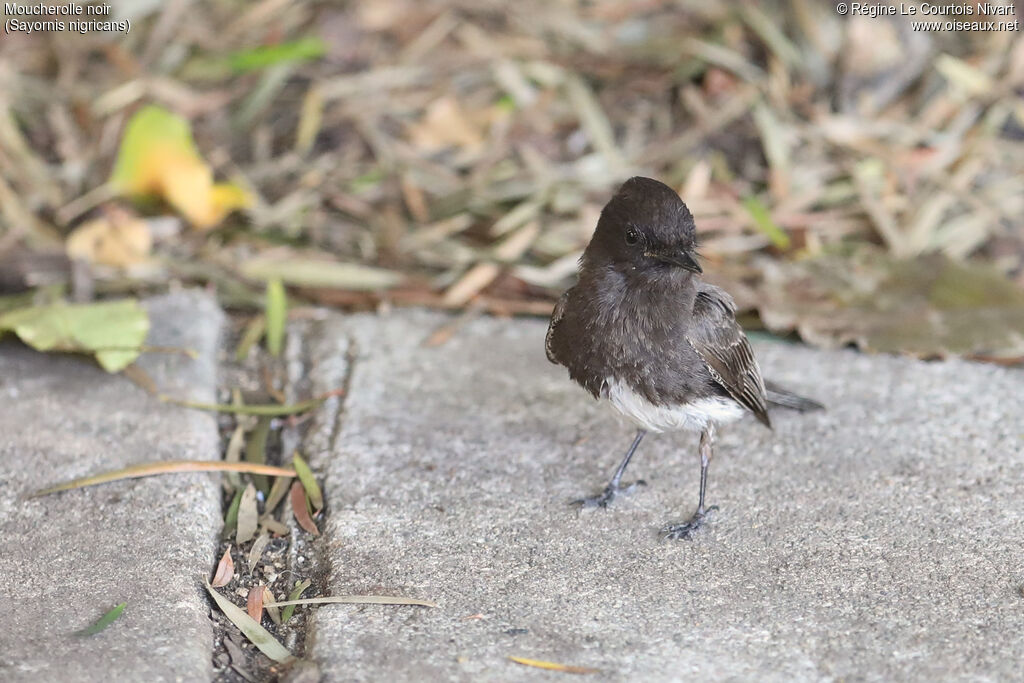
972	16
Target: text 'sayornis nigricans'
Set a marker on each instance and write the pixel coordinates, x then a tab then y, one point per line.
644	332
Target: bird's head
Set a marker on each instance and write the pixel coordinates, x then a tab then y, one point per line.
645	230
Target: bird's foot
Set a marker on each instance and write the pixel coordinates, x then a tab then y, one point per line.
688	528
603	499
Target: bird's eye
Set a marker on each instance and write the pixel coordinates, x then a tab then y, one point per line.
632	236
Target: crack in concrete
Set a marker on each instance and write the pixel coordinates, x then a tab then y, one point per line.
351	355
319	357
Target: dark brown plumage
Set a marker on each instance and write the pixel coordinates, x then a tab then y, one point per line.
641	330
719	341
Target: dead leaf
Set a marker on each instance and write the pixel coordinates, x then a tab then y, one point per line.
272	610
273	526
257	635
445	124
165	467
447	330
119	238
238	658
253	332
248	516
554	666
256	551
415	199
140	378
310	119
254	603
277	492
471	283
313	494
299	509
310	269
225	570
969	79
927	307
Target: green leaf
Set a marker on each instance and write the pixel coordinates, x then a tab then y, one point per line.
250	628
763	220
313	493
113	331
366	181
231	518
15	301
301	50
256	451
294	595
506	103
104	621
276	313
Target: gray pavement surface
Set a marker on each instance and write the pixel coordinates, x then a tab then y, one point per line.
68	558
880	540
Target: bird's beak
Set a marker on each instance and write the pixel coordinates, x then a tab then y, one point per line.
680	258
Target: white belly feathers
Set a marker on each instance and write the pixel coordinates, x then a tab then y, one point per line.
694	416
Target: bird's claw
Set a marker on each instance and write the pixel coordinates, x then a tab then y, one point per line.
688	528
604	499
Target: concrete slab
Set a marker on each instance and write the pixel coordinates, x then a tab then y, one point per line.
68	558
877	541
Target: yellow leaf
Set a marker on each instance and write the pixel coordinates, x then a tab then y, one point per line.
188	188
152	137
158	157
226	197
119	238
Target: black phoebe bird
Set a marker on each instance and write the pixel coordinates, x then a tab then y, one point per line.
644	332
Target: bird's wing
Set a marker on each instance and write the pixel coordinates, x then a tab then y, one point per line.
719	341
556	317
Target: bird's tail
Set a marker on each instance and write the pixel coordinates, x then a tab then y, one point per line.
784	398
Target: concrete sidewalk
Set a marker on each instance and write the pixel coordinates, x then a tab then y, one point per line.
70	557
880	540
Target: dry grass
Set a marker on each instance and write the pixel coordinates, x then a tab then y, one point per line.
470	145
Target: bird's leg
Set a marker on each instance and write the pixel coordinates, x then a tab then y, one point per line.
686	529
615	485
